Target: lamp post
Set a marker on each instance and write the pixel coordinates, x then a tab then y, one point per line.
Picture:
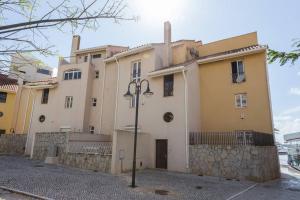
138	86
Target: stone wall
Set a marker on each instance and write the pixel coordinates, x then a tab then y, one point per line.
44	141
12	143
255	163
96	162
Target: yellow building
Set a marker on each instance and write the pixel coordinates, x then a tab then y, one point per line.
234	88
16	102
8	91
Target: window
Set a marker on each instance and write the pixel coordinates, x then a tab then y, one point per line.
42	118
97	74
2	131
241	100
238	72
68	102
94	102
135	76
168	117
45	96
168	85
95	56
43	71
3	96
92	129
1	114
85	58
72	74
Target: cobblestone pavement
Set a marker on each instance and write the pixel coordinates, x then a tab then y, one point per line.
7	195
60	182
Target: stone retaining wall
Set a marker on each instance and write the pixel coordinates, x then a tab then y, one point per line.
12	144
43	141
255	163
86	161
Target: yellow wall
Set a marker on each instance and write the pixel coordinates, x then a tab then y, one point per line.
217	101
180	52
8	111
228	44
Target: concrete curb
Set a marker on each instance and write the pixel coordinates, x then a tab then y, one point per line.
25	193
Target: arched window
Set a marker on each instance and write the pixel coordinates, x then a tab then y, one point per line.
72	74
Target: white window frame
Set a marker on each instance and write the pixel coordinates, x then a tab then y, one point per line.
135	75
239	73
92	129
71	74
241	100
94	102
68	102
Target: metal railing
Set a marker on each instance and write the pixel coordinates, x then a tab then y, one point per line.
240	138
102	148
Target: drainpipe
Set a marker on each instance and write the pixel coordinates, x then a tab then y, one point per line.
114	142
29	130
186	121
26	111
102	97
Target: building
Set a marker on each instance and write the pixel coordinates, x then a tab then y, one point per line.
216	87
8	93
28	68
17	100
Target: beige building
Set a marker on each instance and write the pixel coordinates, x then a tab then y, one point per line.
219	86
28	68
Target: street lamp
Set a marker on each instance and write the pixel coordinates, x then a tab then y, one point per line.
128	94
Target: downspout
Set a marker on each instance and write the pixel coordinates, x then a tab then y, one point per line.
18	108
186	121
102	98
117	92
26	111
29	129
114	142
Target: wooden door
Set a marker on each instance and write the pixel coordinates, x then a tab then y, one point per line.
162	154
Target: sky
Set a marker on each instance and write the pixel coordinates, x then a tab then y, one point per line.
276	22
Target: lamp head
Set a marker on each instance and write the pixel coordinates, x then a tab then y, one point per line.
128	95
148	92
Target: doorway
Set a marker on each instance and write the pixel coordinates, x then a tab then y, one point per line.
162	154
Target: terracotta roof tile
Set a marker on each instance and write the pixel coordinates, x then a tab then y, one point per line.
233	51
4	80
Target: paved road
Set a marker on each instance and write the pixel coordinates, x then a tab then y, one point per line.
7	195
59	182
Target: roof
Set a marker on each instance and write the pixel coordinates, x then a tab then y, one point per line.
172	69
8	84
4	80
292	137
131	51
43	83
98	48
232	53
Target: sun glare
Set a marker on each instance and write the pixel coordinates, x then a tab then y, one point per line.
159	10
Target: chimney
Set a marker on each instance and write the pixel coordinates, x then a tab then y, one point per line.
75	46
167	41
167	32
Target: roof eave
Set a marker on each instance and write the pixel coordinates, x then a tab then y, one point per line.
232	55
128	53
166	71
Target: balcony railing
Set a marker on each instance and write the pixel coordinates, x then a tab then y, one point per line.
239	138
